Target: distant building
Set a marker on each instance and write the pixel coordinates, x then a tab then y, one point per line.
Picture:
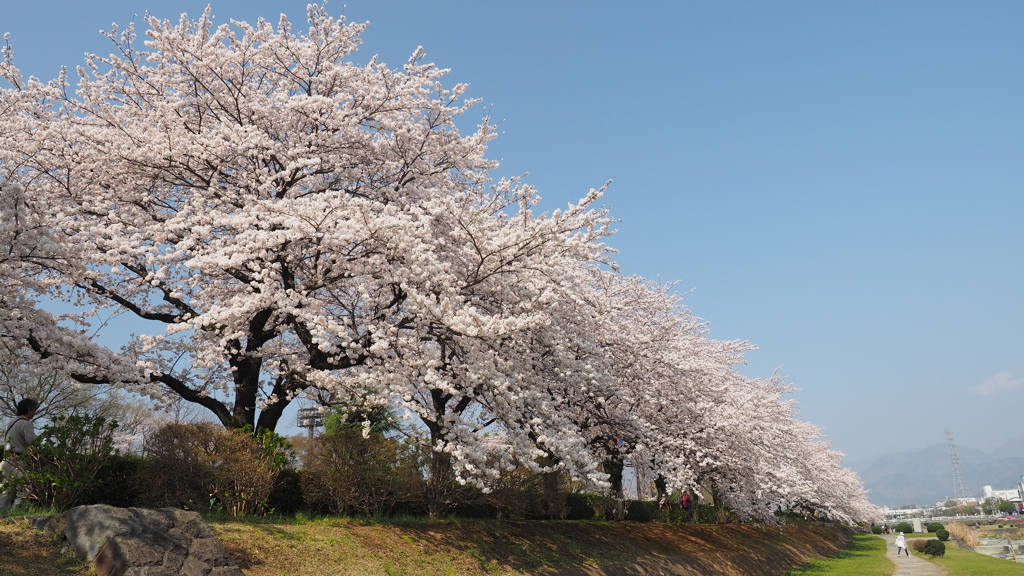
1002	494
957	502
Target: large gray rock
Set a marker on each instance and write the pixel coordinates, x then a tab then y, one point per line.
138	541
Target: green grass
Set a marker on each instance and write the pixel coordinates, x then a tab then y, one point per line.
959	562
864	557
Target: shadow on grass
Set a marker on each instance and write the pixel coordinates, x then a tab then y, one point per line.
862	546
553	547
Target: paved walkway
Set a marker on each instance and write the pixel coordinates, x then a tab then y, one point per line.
909	565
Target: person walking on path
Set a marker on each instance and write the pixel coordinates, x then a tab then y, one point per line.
18	434
912	566
901	544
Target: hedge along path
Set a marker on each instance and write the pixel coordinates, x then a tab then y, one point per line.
909	565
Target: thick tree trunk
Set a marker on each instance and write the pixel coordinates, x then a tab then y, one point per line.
552	503
614	467
439	484
661	485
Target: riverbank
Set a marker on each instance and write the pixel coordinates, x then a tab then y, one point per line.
573	548
420	547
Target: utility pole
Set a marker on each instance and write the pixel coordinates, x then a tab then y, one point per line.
959	490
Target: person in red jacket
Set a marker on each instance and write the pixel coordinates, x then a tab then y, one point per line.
685	502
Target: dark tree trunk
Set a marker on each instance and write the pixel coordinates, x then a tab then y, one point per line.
439	484
552	503
614	467
661	485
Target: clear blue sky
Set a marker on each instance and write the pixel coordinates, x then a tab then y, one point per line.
838	183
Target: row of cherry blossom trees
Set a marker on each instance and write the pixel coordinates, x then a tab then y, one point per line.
281	220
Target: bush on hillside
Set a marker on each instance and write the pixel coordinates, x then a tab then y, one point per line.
577	507
600	505
942	534
64	459
876	529
934	548
116	483
205	467
904	527
791	518
286	497
918	544
935	526
518	492
346	473
642	511
711	514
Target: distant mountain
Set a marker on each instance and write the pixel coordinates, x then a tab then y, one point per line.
1012	447
926	476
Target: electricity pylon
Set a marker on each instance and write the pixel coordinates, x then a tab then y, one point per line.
958	480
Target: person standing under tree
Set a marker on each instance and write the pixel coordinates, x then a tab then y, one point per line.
686	503
18	434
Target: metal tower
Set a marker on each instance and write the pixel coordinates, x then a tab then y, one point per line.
958	480
310	419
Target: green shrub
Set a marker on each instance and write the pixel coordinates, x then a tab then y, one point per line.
642	511
934	548
790	517
474	504
918	544
904	527
286	497
876	529
710	514
350	474
577	507
600	505
381	418
64	459
116	483
942	534
935	526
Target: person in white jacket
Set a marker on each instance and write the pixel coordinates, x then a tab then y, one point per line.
18	434
901	545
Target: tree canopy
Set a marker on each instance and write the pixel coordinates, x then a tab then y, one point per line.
284	220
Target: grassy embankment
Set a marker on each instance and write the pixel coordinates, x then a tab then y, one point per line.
413	547
864	557
959	562
483	547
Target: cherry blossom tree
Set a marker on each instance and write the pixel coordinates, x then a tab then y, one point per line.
279	214
686	413
279	219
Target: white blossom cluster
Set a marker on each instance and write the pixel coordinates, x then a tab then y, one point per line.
289	221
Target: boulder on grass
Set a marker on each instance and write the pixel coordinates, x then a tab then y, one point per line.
138	541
